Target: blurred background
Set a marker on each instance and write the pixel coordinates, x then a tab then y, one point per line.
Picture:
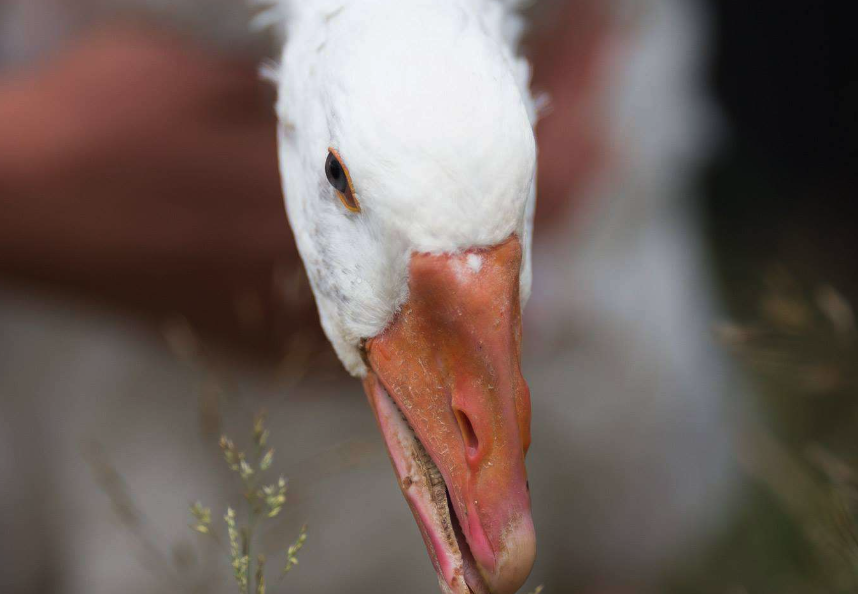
690	344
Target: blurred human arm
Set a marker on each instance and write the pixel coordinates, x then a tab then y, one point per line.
133	145
140	166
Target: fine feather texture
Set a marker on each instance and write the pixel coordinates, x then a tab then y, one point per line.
429	107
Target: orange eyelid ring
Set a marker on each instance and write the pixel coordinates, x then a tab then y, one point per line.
348	198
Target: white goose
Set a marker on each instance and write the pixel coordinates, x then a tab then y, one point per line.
631	421
408	159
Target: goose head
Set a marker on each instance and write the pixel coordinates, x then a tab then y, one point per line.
407	155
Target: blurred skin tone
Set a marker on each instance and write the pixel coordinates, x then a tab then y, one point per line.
140	168
155	150
567	55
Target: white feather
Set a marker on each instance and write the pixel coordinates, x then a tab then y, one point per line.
428	105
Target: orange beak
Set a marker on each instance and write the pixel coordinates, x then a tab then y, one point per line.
446	387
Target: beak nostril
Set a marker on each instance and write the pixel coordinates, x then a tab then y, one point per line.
472	444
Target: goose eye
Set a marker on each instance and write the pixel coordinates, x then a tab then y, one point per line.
340	180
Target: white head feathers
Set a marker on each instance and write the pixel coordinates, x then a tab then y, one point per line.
428	107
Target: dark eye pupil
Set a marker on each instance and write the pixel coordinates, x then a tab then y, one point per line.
335	173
